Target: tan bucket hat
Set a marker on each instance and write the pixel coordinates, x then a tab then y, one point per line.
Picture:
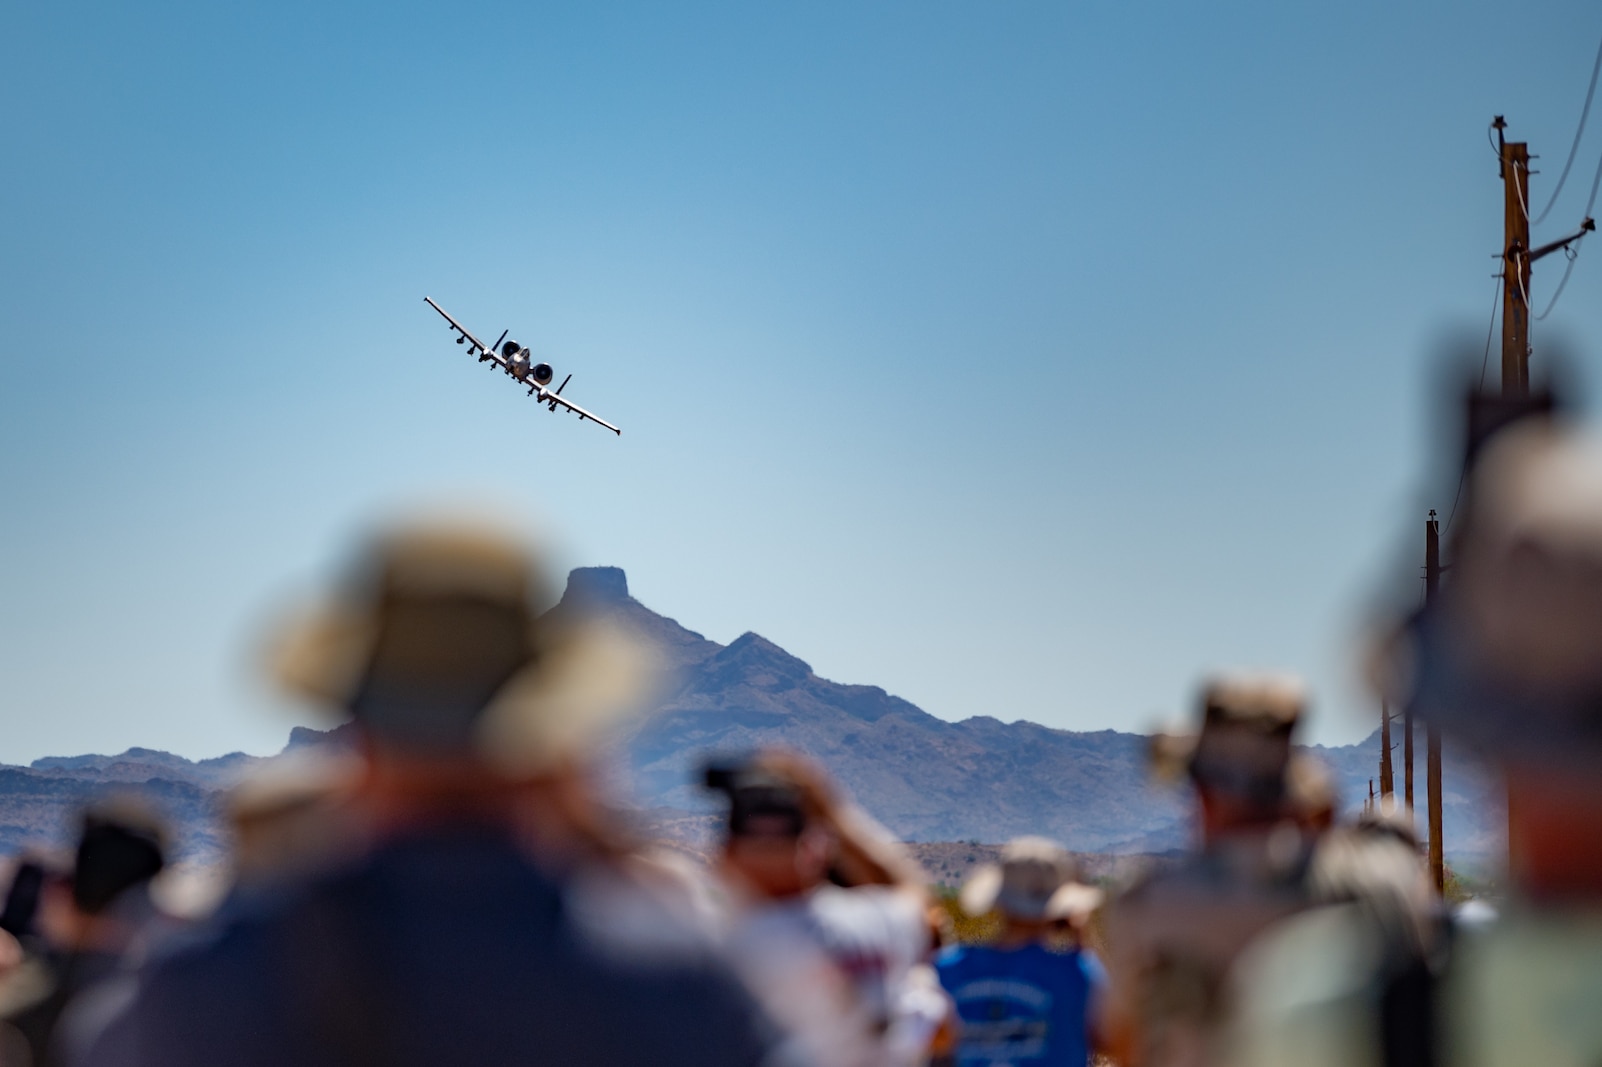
1244	739
1036	879
435	645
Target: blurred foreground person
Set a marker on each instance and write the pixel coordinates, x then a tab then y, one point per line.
1352	980
1508	659
89	926
1024	1001
828	916
293	818
450	937
1173	936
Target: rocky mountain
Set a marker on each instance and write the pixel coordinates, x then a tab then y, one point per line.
979	780
928	779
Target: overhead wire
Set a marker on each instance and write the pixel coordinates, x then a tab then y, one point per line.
1585	113
1485	362
1590	201
1573	251
1490	330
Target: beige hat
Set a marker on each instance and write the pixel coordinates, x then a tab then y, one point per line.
1244	740
1036	879
435	645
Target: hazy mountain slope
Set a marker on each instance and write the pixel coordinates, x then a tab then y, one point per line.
927	779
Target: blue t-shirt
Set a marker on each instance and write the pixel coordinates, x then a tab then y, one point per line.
1021	1007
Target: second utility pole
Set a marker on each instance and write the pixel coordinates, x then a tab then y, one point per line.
1387	778
1432	732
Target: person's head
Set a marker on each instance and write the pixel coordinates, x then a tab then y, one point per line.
1508	656
121	847
1034	888
771	842
1241	754
467	696
97	898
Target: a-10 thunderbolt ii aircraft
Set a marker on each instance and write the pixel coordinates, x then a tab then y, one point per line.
515	361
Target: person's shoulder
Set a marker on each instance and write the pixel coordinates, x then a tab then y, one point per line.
862	897
1157	876
1061	960
891	908
251	935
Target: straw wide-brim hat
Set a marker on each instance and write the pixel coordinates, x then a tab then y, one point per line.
1246	720
1037	879
435	644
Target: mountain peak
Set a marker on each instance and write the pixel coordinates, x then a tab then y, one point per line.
595	586
751	643
754	660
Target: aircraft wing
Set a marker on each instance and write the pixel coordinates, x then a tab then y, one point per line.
475	346
550	399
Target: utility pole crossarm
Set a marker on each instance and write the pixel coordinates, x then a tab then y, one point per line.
1547	249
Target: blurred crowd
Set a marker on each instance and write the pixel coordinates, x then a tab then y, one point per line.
457	886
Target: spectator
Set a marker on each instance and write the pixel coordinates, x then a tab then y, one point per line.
1173	937
1024	1001
92	924
450	935
1508	661
828	917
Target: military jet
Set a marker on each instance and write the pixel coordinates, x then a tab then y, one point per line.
515	361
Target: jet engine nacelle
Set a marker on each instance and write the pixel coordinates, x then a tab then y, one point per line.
518	362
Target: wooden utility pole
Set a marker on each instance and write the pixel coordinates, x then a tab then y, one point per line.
1432	732
1407	757
1516	261
1517	257
1387	778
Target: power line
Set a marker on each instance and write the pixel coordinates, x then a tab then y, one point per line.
1485	361
1585	112
1591	200
1572	253
1489	331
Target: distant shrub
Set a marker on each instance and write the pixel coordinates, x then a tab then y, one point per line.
968	930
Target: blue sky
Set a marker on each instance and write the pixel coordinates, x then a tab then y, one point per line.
1025	359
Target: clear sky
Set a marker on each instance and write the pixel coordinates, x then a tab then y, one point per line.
1025	359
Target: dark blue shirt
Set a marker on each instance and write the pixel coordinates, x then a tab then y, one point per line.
451	948
1021	1007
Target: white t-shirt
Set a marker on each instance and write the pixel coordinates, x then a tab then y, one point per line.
834	967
